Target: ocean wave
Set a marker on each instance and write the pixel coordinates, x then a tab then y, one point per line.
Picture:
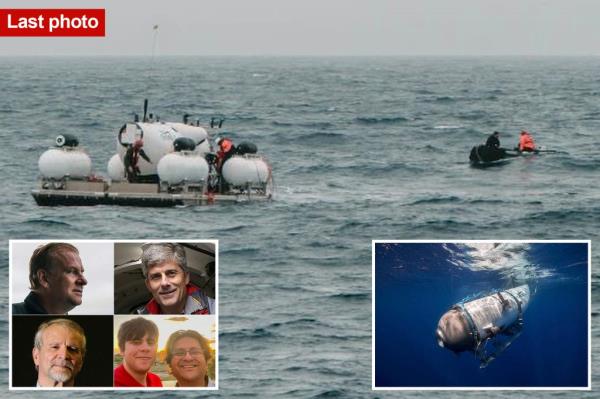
360	169
473	115
564	215
305	321
436	200
230	118
331	393
308	125
439	100
253	333
351	296
592	164
243	251
233	228
340	372
46	222
365	120
448	127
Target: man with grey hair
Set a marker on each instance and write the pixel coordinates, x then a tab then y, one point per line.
167	278
58	352
56	280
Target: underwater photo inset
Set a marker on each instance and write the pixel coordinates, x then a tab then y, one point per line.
481	314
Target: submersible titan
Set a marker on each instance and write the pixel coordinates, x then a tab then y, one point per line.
468	326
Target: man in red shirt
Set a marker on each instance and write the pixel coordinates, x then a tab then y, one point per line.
138	341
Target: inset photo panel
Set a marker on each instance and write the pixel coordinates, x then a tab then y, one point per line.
165	277
165	352
473	315
61	277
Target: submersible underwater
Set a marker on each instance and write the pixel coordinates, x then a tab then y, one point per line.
495	319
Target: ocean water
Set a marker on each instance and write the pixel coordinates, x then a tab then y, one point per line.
415	284
361	148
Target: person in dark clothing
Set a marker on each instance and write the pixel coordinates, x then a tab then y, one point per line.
131	159
493	140
56	281
226	151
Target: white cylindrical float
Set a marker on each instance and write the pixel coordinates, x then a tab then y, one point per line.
176	167
115	168
57	163
242	170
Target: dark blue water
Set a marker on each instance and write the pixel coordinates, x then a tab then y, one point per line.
417	283
361	148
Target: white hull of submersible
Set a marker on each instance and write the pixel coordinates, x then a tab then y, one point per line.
466	325
490	311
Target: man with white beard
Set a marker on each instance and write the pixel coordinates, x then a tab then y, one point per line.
58	352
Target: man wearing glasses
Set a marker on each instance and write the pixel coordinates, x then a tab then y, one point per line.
167	278
188	356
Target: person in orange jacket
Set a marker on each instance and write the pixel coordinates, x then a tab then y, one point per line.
526	142
226	150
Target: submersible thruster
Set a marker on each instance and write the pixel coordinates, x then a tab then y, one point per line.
470	325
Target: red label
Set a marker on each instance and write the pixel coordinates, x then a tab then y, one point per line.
52	22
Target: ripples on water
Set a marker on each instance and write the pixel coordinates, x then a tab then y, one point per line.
362	149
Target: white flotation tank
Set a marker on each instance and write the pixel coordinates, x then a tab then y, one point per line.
57	163
241	170
115	168
176	167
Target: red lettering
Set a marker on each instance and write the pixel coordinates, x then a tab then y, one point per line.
52	22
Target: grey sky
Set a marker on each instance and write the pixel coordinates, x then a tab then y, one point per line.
327	27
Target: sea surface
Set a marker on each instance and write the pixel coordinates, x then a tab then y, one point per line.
416	283
361	149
